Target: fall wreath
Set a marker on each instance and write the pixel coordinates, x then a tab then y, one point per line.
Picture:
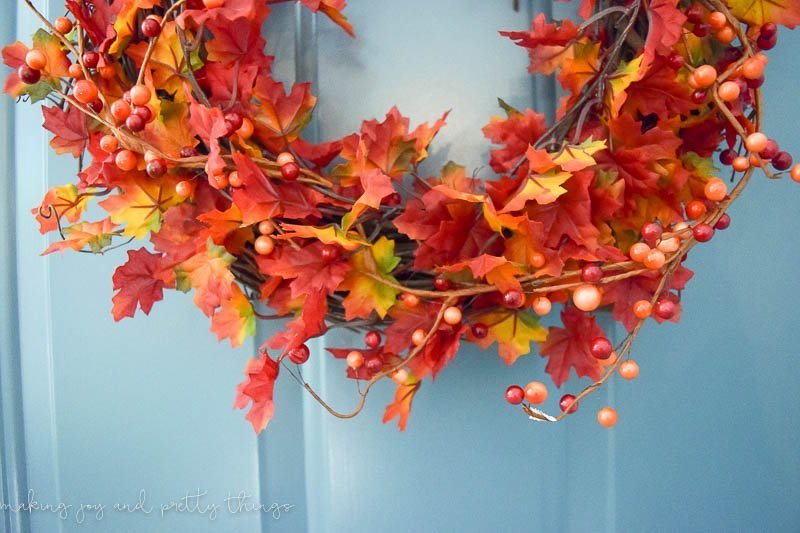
183	137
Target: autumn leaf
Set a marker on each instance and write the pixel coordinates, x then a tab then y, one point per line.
514	331
70	129
619	81
400	407
234	320
368	294
759	12
178	238
516	133
56	67
331	234
569	347
209	124
61	201
140	282
236	41
279	118
141	204
208	273
541	188
496	270
258	387
666	25
306	268
376	186
331	8
548	44
258	198
96	235
221	224
575	157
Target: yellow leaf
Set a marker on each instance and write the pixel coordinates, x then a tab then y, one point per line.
619	81
576	157
513	331
542	188
328	235
368	294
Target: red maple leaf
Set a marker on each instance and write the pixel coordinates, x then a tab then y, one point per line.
400	407
659	92
516	133
258	387
209	124
70	129
568	347
666	25
140	282
547	43
257	198
278	117
178	237
236	41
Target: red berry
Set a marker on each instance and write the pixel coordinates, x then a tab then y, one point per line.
120	110
135	123
701	29
480	330
767	43
330	253
699	96
676	60
374	363
755	83
651	232
515	395
591	273
723	222
770	151
63	25
372	339
290	171
156	168
703	232
601	348
189	151
96	106
694	13
513	299
393	199
28	75
143	112
84	91
768	30
299	355
782	161
726	157
664	309
441	284
150	27
90	58
234	121
568	402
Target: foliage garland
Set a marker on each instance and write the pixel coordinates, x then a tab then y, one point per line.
184	138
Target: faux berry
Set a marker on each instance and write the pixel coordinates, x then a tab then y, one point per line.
355	359
143	112
28	75
409	300
156	168
264	245
542	305
299	355
374	363
126	160
330	253
715	190
587	297
266	227
452	315
651	232
515	395
84	91
591	273
703	232
284	158
568	404
629	370
536	392
513	299
479	330
664	309
36	59
782	161
607	417
150	27
441	284
135	123
290	171
726	157
675	60
63	25
120	110
642	309
372	339
724	222
601	348
189	151
90	58
184	189
234	121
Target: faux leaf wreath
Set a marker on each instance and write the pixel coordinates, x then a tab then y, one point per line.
185	138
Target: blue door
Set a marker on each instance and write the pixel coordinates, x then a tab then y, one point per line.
140	414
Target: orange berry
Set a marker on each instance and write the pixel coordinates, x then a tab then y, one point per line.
184	189
725	35
655	259
762	58
642	309
728	91
695	209
538	260
266	227
756	142
264	245
692	81
150	155
795	173
418	337
400	376
717	20
75	71
36	59
212	4
705	76
109	143
607	417
234	179
409	300
452	315
126	160
755	161
587	297
628	369
752	69
669	245
536	392
218	181
284	158
140	94
542	305
120	110
245	131
740	164
355	359
63	25
681	229
85	91
639	251
715	190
